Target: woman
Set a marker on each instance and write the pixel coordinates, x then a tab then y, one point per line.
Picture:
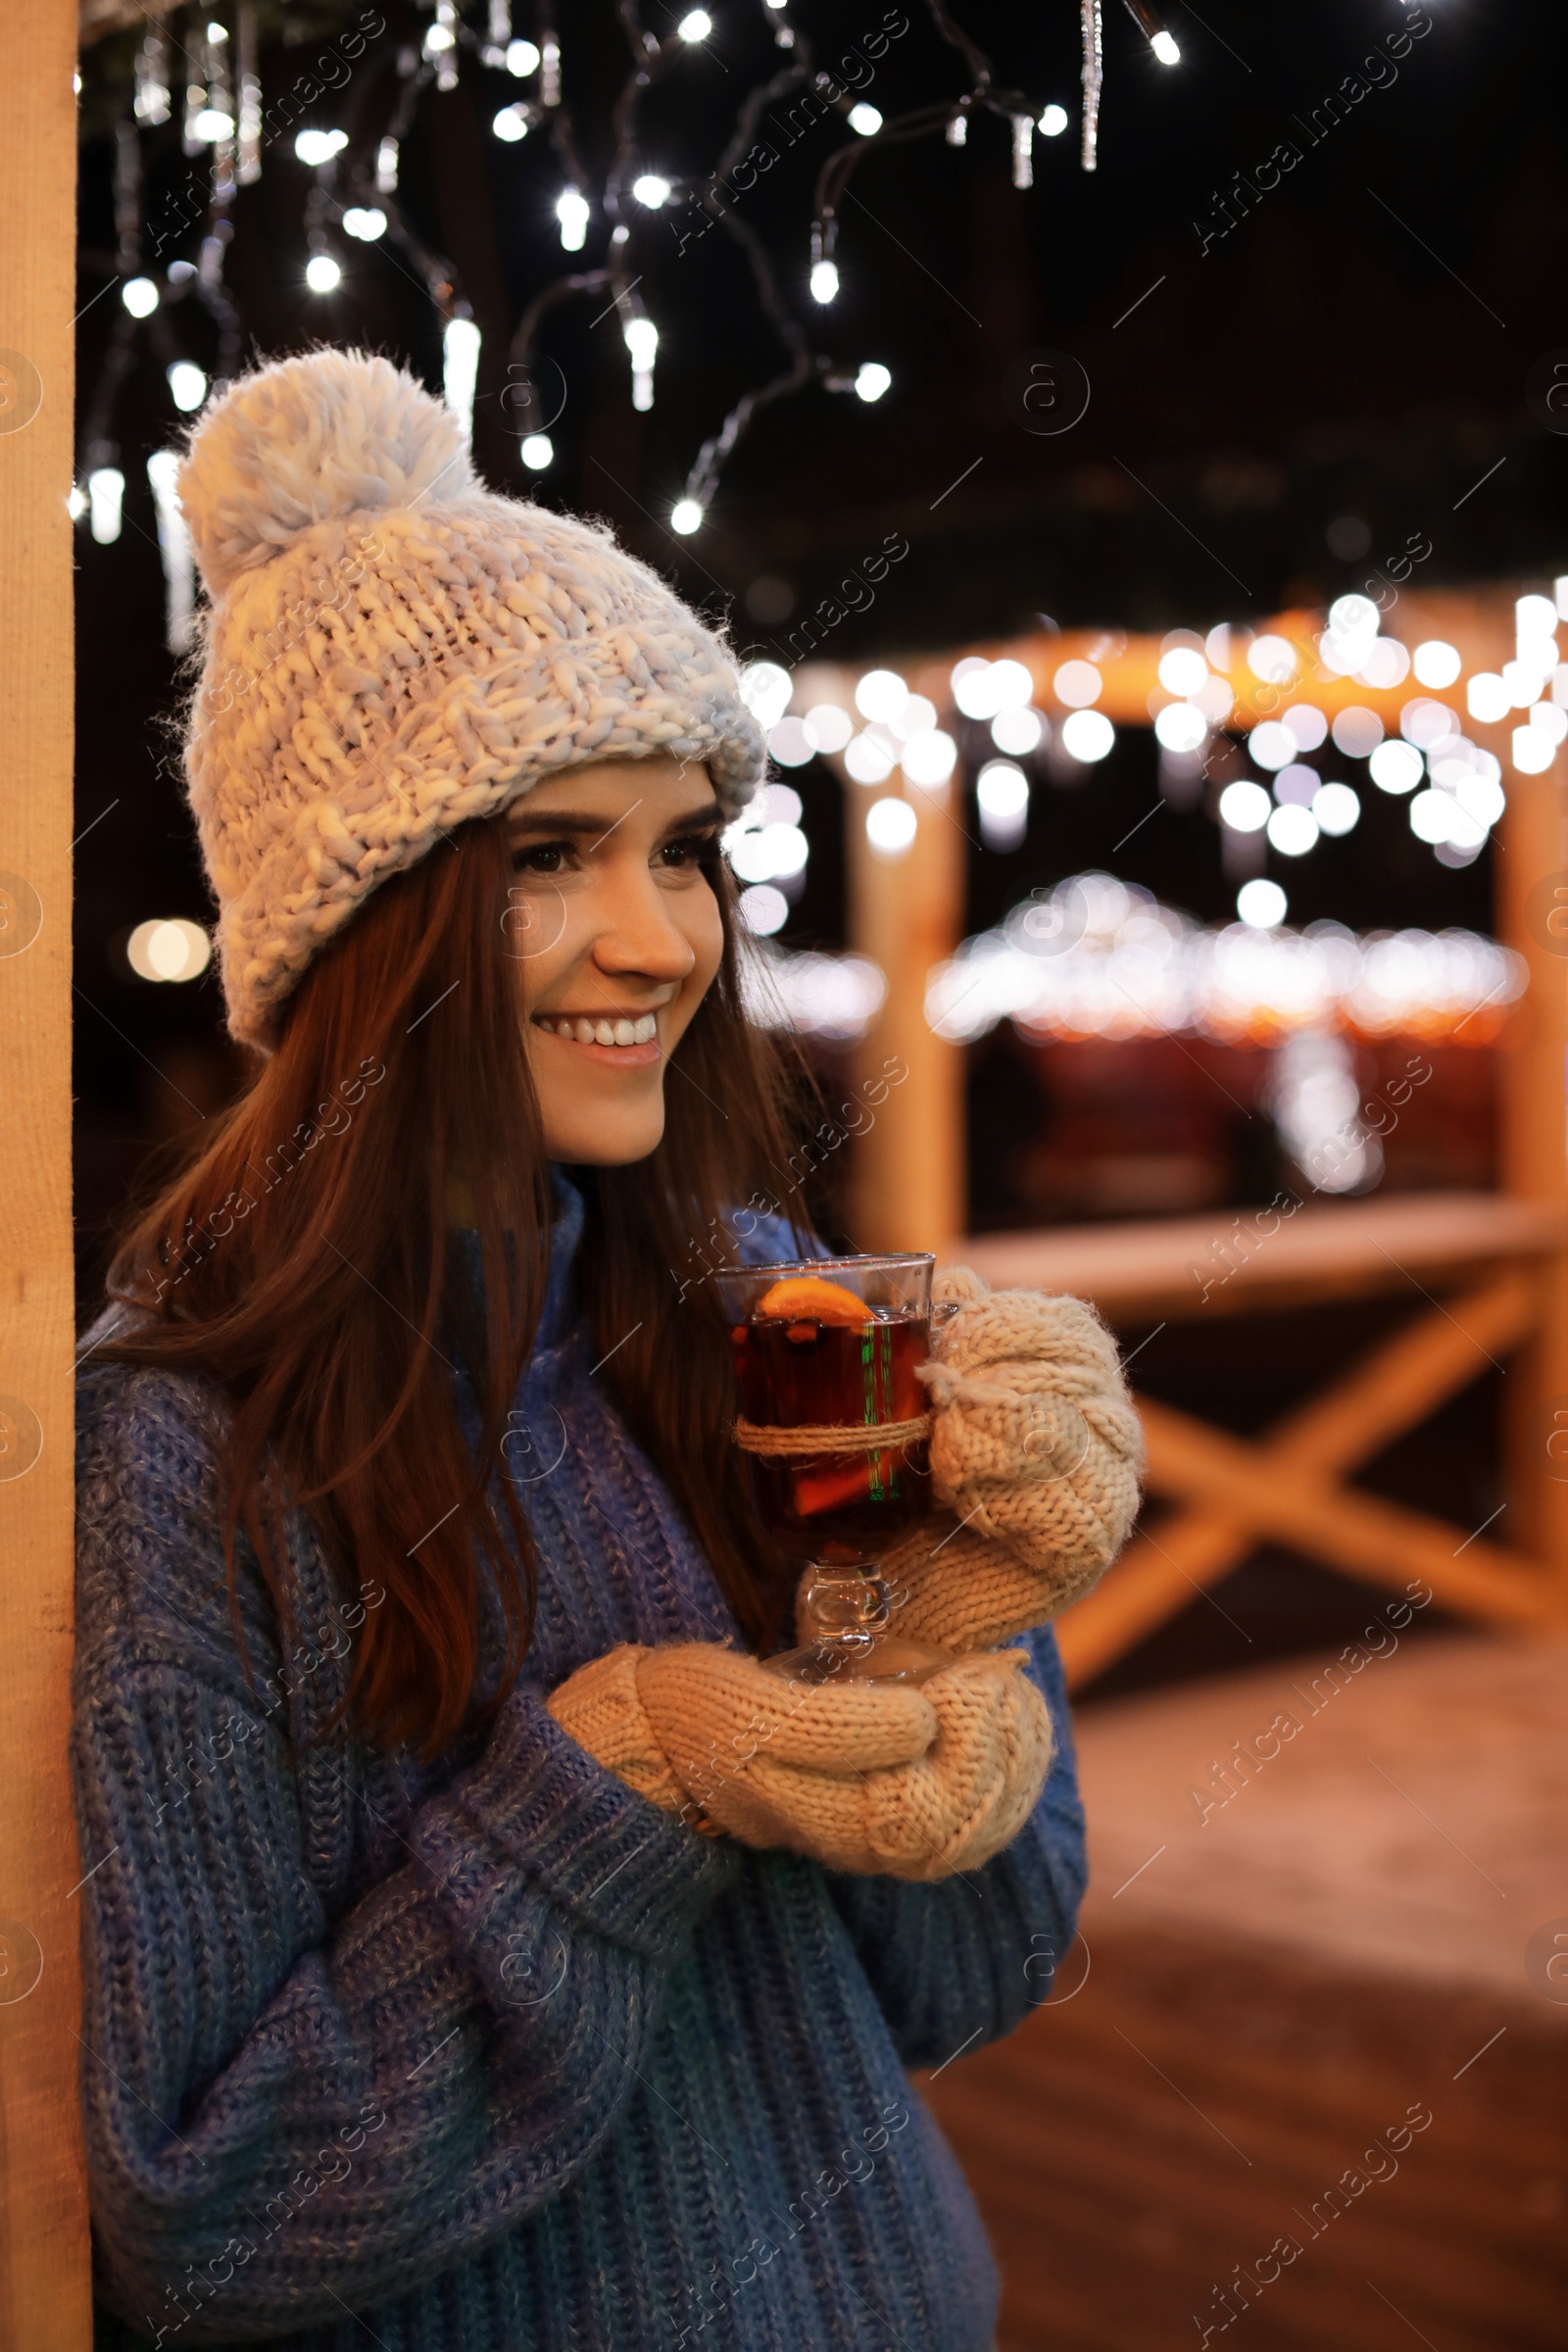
482	1950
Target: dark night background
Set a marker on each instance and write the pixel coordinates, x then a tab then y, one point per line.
1337	371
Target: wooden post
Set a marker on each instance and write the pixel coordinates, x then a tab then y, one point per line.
45	2296
907	1182
1533	920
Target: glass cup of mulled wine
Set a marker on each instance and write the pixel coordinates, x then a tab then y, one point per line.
836	1431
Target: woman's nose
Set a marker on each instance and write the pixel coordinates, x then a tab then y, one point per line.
640	934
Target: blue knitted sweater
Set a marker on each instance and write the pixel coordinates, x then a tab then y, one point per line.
493	2054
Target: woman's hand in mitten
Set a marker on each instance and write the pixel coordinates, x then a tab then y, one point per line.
874	1777
703	1731
1035	1447
973	1789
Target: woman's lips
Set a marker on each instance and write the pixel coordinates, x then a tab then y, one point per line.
620	1042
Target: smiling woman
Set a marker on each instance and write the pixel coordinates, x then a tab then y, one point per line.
612	1932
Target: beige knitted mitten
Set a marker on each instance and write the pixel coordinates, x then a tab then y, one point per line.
865	1776
1038	1450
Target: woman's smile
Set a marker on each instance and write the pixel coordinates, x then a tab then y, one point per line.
627	1041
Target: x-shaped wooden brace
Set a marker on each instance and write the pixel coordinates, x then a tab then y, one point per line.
1288	1486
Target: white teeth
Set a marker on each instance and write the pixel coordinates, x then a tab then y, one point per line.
644	1029
626	1034
584	1033
603	1033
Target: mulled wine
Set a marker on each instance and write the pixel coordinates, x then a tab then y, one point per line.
838	1507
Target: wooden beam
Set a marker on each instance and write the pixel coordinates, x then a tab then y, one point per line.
1387	1391
45	2295
908	1179
1360	1534
1533	920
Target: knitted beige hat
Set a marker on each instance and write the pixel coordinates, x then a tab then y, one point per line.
392	651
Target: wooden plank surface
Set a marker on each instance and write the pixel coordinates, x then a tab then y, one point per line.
1268	1988
44	2288
1324	1251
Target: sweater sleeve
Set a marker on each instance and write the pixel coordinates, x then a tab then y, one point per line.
289	2116
962	1963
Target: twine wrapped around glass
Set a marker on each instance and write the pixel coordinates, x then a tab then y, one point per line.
836	1431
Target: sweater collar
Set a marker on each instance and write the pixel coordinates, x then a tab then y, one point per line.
559	1311
558	1315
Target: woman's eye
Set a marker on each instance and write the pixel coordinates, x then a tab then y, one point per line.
691	850
540	858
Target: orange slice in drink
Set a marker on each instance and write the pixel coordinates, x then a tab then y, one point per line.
809	1297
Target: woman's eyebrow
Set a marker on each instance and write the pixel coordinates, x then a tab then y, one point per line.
543	820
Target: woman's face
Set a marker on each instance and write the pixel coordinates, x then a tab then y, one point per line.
617	933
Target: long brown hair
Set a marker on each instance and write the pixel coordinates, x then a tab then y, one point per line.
304	1259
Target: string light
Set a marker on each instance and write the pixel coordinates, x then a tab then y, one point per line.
511	125
865	120
824	281
106	498
173	545
686	517
538	452
187	384
523	59
461	369
324	273
642	342
572	211
139	296
651	190
697	27
872	380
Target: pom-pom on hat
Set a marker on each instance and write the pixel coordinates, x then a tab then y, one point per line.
393	650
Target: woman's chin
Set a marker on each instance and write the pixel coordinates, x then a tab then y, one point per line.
600	1136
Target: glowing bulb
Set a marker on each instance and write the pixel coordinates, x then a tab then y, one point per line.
317	147
572	211
1017	731
873	380
187	383
522	58
367	222
642	341
1244	808
1396	766
697	27
865	120
1436	662
213	125
824	281
889	827
686	517
139	296
1182	670
1337	807
1164	47
77	501
106	492
1078	684
650	189
511	125
1181	728
323	274
538	452
881	695
1293	829
1262	905
1087	735
1053	122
